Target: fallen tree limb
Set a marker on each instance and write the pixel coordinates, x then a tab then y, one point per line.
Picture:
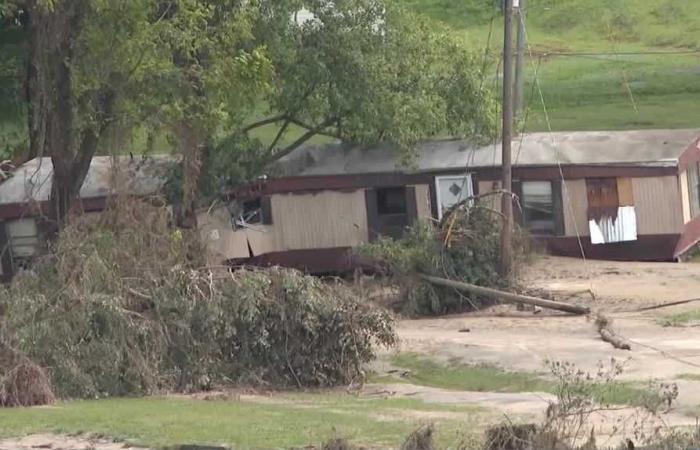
508	297
604	326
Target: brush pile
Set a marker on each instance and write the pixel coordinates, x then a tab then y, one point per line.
464	247
122	307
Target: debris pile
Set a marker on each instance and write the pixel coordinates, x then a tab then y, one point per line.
123	306
463	247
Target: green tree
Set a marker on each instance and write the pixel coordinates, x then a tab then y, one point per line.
99	68
366	71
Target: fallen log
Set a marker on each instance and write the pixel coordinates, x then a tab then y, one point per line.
605	329
508	297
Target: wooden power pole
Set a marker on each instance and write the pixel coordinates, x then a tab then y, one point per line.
506	261
518	105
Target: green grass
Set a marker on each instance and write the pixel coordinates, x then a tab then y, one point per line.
484	378
282	422
460	377
689	376
593	92
680	319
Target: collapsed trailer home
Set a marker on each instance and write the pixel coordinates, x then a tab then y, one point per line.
25	193
624	195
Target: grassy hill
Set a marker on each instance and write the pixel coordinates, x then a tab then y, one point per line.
600	90
619	84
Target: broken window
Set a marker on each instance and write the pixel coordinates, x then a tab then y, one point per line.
390	210
251	212
694	190
611	214
391	201
537	203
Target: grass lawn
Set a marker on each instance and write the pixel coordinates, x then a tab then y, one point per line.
456	376
689	376
282	422
682	319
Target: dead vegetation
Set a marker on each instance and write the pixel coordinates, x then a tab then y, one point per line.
22	383
124	306
464	247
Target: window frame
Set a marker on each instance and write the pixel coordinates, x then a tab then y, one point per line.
438	197
694	189
400	192
554	231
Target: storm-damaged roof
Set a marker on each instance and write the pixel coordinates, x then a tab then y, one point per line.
31	182
650	148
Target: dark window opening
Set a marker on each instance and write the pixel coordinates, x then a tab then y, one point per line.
256	211
537	202
252	211
391	201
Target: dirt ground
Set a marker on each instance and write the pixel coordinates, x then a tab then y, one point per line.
521	340
63	442
524	341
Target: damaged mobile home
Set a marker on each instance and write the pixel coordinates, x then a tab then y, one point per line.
25	193
625	195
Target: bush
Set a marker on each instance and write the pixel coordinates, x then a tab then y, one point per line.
464	247
122	307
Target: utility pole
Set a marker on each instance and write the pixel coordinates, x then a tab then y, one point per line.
518	105
506	183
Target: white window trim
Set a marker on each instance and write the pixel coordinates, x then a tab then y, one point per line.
438	199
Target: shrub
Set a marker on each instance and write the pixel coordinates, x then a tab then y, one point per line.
122	307
464	247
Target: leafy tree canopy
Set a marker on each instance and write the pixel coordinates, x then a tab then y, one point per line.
366	71
198	71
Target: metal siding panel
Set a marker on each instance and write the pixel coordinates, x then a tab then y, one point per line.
685	196
323	219
625	191
490	201
423	201
658	205
575	204
558	205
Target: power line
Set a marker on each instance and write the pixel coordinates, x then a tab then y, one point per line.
584	54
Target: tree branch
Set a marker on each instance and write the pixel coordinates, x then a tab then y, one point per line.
308	127
262	123
279	136
303	138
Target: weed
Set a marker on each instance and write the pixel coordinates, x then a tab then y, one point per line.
684	319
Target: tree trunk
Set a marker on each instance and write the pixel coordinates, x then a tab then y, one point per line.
51	114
